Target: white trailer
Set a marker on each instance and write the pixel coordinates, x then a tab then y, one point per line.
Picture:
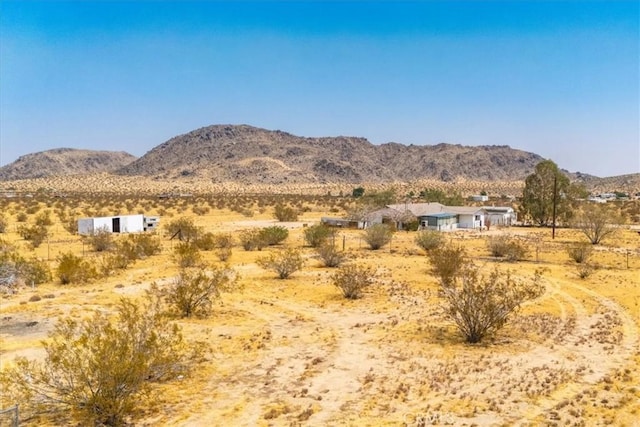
113	224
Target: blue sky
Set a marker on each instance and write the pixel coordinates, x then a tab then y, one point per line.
560	79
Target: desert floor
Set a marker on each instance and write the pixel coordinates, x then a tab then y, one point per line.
295	352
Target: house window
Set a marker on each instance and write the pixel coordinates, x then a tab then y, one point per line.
477	217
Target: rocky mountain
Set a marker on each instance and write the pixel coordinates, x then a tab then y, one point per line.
64	161
247	154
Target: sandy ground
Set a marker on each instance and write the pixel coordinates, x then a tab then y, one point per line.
294	352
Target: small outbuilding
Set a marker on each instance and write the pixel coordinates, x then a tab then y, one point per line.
117	224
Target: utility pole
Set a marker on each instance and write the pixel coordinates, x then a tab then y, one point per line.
555	201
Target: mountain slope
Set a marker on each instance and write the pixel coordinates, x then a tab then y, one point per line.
248	154
64	161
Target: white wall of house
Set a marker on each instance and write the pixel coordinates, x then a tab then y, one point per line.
506	219
470	221
128	224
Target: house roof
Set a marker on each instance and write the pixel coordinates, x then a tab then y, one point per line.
465	210
500	209
419	209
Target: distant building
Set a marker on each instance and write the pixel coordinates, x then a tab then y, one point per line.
480	198
117	224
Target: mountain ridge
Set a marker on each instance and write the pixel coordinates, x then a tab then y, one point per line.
64	161
245	153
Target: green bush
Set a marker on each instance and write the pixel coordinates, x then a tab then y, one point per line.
429	239
35	234
353	279
252	240
284	263
506	247
330	255
184	229
285	213
205	241
192	292
73	269
318	234
98	369
480	305
101	240
377	236
447	262
44	219
274	235
580	252
187	254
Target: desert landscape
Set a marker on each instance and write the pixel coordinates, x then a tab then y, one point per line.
295	351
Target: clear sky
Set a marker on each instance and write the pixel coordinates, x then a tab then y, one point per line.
560	79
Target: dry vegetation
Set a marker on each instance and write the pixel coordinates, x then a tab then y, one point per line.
297	352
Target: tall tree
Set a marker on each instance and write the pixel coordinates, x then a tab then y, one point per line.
538	194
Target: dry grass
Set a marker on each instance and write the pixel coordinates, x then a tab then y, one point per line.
296	352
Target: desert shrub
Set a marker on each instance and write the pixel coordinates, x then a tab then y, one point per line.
447	262
429	239
585	270
274	235
377	236
284	263
187	254
480	305
44	219
224	240
330	255
205	241
285	213
100	240
224	254
200	210
506	247
597	222
97	369
74	269
22	217
252	240
70	224
353	279
33	271
580	252
184	229
192	292
110	262
3	224
145	244
35	234
318	234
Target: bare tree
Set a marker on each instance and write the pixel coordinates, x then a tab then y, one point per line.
596	222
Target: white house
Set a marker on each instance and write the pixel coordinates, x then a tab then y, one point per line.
501	215
116	224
